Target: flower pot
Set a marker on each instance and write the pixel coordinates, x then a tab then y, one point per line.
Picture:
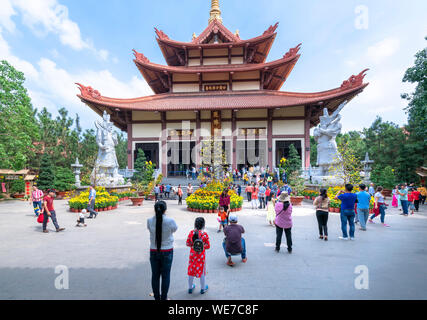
137	201
110	207
337	210
296	200
331	209
61	193
387	192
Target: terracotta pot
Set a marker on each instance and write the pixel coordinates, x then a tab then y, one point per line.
137	201
331	209
387	192
296	200
337	210
110	207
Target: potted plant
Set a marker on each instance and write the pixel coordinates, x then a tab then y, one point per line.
297	189
138	197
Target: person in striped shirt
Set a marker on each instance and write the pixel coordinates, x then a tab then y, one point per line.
36	200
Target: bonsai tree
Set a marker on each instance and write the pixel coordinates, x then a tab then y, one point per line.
297	184
64	179
46	176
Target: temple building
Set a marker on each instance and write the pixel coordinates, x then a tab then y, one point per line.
219	86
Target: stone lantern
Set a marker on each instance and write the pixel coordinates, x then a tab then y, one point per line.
76	170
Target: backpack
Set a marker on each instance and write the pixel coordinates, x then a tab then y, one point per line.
198	244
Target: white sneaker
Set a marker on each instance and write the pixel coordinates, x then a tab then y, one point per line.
342	238
352	239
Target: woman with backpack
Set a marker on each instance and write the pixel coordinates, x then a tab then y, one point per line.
198	241
161	230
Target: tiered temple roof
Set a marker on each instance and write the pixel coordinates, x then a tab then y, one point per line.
272	76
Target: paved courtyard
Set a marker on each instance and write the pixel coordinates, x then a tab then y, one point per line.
110	258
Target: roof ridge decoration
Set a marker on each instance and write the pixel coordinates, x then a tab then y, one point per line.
271	29
160	34
139	56
214	27
89	92
292	52
354	81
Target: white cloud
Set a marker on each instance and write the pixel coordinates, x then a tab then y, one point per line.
47	16
22	65
383	49
6	13
387	60
53	87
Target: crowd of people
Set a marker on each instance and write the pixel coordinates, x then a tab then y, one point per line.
264	194
355	208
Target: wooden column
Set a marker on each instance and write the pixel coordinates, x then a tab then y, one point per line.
307	147
130	146
270	137
234	142
164	147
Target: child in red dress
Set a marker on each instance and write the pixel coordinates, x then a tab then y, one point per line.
197	261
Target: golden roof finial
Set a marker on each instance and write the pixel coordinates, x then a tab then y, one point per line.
215	12
194	35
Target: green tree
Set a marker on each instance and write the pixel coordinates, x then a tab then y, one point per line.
293	163
313	152
46	178
384	177
122	150
18	128
140	166
385	142
416	145
17	186
64	179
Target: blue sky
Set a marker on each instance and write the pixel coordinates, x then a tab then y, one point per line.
60	42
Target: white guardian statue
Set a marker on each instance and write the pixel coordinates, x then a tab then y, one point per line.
106	170
325	135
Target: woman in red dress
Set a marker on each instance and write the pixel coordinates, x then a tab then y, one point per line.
197	261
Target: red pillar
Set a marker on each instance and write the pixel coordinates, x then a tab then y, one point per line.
234	137
130	146
307	135
270	138
164	145
198	139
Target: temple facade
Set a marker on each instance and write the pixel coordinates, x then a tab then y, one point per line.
219	87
